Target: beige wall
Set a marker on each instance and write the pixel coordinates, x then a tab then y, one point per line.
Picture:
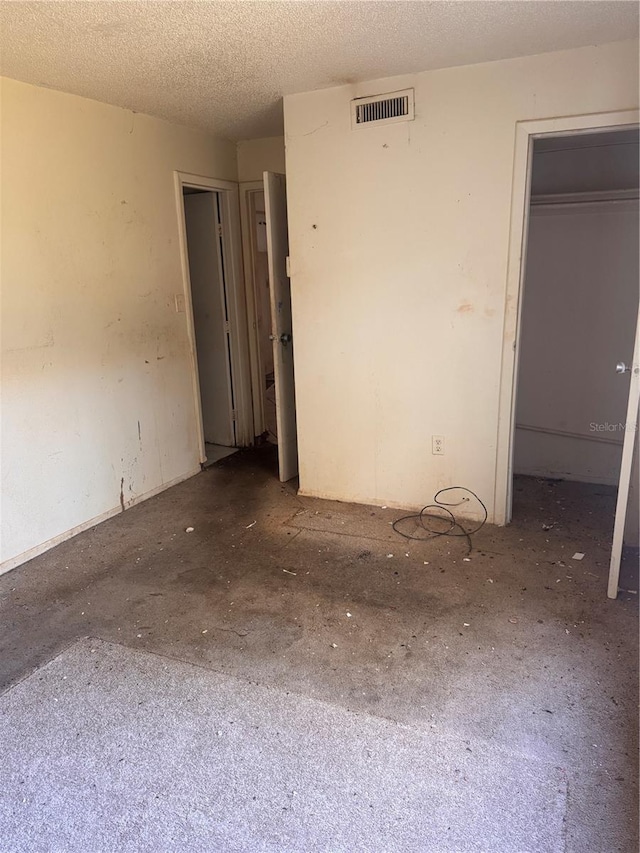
399	238
98	405
256	156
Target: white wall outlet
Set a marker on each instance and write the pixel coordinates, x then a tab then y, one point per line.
437	445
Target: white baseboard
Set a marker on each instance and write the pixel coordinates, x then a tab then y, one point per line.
19	559
400	506
358	499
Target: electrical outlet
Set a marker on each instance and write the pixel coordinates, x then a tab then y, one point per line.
179	303
437	445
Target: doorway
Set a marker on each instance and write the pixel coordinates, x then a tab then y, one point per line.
216	314
266	249
210	305
255	224
578	317
579	305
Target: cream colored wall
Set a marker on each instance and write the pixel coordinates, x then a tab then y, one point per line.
98	406
256	156
398	243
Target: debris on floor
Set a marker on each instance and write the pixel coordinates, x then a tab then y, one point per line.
277	633
578	556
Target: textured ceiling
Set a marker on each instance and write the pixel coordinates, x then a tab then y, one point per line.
224	66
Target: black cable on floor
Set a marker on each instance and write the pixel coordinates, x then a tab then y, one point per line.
454	528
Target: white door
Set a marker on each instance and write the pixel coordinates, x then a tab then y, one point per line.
281	326
631	426
210	316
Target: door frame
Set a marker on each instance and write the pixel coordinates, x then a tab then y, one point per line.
525	133
234	283
247	188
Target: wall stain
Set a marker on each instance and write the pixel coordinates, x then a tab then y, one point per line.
122	493
464	307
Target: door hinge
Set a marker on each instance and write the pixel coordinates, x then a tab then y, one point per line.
234	414
219	229
227	327
287	265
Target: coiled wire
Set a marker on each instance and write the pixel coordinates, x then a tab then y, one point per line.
455	527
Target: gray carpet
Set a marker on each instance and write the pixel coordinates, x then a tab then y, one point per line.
110	749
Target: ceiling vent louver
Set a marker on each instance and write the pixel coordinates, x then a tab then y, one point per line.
382	109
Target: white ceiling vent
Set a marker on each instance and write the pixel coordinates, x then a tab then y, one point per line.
382	109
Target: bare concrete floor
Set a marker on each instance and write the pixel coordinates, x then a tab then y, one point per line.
518	644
